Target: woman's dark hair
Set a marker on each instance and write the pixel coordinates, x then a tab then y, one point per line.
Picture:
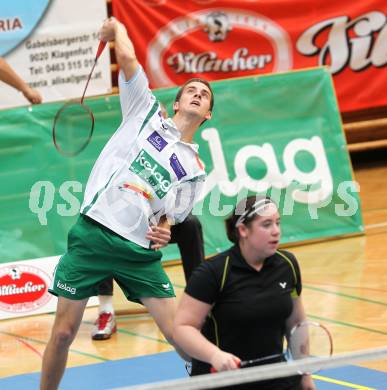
244	207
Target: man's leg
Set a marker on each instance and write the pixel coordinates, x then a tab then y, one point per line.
189	237
163	312
105	324
67	320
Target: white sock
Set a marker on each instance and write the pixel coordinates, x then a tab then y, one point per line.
105	304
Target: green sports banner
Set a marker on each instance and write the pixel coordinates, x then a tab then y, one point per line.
277	134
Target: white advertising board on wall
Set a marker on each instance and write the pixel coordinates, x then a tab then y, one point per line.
51	44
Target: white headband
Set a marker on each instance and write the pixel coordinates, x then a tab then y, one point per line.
258	206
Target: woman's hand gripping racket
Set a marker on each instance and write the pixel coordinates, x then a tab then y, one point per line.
74	122
306	339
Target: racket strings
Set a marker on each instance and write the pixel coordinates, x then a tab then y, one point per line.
74	122
310	340
73	128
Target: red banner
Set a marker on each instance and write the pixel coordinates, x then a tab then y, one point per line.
176	40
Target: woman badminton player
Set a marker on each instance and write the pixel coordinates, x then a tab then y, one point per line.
242	304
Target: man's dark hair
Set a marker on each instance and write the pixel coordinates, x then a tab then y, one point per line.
199	80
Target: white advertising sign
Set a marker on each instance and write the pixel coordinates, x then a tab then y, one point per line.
24	288
52	45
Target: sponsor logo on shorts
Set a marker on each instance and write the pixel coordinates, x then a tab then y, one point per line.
166	286
65	287
23	288
157	141
152	172
283	284
177	167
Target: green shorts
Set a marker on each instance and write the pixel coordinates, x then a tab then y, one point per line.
95	253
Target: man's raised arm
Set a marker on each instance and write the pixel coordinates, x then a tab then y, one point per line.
113	30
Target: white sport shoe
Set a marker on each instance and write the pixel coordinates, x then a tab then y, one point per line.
104	326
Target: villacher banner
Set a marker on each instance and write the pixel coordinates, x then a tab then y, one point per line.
176	40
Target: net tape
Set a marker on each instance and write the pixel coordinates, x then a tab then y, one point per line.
270	371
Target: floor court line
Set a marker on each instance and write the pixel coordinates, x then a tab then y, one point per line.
29	346
336	285
342	383
336	322
354	297
16	336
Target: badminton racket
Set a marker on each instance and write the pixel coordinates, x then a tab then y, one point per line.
306	339
74	122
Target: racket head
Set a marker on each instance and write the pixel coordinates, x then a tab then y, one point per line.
309	339
72	128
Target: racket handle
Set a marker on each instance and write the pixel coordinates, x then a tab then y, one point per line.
101	46
238	363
